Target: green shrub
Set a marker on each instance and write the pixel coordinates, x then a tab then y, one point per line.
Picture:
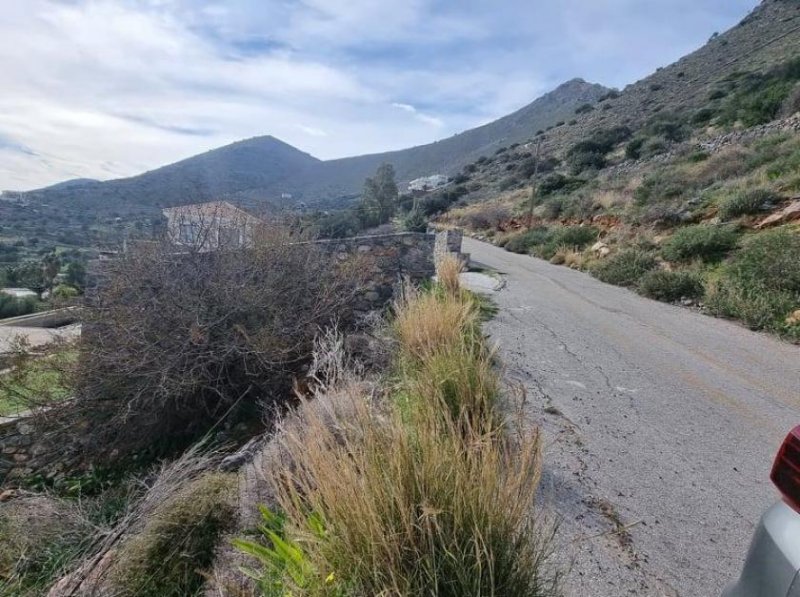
414	221
761	96
508	183
523	242
746	202
613	94
702	241
14	307
788	164
575	236
703	116
633	150
557	238
65	292
552	207
667	125
755	306
654	146
580	161
591	152
625	268
177	541
770	259
698	156
761	285
669	286
659	186
555	182
584	108
40	538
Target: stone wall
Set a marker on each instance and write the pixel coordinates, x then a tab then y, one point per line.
388	260
448	242
25	452
712	145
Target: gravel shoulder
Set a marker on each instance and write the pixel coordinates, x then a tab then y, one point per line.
661	425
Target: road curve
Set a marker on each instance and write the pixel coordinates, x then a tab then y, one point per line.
661	425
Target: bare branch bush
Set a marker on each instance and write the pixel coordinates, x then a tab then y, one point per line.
180	335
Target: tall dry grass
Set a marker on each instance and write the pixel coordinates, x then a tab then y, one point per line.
428	493
415	511
448	270
425	322
442	357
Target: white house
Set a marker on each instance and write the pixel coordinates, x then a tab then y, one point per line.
19	293
210	226
427	183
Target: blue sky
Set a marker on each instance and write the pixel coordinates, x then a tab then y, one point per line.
110	88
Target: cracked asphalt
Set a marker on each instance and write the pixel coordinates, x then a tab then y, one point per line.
660	426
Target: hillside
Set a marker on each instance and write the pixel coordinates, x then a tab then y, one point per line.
684	186
346	175
263	168
244	167
688	90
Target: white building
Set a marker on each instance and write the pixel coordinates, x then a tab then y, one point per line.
427	183
19	293
210	226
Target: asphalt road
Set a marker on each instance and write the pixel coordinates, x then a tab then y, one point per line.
661	425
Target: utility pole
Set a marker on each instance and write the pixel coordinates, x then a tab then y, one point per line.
535	180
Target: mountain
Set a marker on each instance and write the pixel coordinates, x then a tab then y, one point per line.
688	96
73	183
766	37
264	168
449	155
242	168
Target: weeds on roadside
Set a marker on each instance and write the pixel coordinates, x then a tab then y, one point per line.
703	241
670	286
428	493
761	284
625	268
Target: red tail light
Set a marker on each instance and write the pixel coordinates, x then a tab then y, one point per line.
786	470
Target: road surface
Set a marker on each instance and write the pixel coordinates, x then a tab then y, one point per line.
661	425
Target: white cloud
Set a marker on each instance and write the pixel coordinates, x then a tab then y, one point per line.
311	130
109	88
431	120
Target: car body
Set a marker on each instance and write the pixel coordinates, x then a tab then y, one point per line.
772	566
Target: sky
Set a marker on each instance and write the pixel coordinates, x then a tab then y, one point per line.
111	88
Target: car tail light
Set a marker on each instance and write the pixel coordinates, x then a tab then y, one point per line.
786	470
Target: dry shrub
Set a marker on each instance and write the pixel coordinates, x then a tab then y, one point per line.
610	198
40	537
724	165
177	339
569	257
412	512
448	270
444	361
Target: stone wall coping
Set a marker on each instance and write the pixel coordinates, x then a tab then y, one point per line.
367	238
